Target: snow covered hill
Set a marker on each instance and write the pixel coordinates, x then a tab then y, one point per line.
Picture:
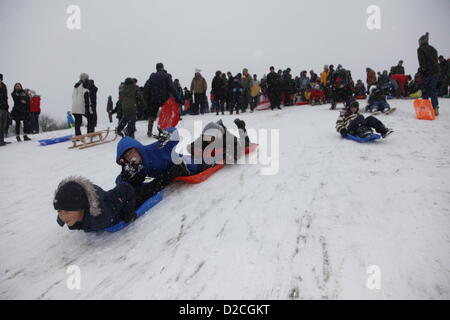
312	231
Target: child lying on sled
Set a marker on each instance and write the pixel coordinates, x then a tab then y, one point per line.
217	145
82	205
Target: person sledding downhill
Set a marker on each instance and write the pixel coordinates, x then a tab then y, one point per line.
351	122
217	145
377	102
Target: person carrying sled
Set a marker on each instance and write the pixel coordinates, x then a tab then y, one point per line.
218	145
350	121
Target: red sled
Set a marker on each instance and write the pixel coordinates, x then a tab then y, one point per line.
169	115
263	106
361	97
301	103
204	175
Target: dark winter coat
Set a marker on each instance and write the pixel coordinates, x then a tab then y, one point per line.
398	70
273	82
159	88
3	97
21	109
218	87
105	207
130	94
376	96
428	60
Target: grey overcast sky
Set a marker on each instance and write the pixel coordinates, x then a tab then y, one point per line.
127	38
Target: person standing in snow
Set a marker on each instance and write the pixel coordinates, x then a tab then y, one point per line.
21	111
350	121
444	66
429	67
218	93
246	83
81	104
93	105
255	93
3	111
35	109
274	89
109	108
199	88
130	95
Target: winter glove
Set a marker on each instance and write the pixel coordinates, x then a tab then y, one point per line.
343	132
132	174
163	137
128	217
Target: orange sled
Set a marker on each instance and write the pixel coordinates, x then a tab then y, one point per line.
424	109
204	175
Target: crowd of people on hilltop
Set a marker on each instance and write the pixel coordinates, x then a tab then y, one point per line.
243	91
234	93
25	112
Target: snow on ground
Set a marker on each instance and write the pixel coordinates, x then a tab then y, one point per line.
311	231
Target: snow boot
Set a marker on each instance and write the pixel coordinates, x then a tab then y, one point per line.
25	138
18	139
387	133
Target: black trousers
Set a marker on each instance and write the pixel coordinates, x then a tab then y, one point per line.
275	99
26	127
370	122
79	122
199	100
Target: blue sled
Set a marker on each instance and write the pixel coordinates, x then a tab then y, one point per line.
150	203
373	137
47	142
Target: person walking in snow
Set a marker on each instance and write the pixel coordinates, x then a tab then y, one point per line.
350	121
157	90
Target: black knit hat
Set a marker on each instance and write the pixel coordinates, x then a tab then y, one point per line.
70	197
1	76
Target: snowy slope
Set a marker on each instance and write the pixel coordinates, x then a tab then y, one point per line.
311	231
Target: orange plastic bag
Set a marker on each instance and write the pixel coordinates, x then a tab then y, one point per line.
424	109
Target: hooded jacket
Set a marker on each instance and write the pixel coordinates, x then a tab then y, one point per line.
155	160
428	60
158	88
105	207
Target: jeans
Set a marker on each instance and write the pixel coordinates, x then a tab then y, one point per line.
429	89
34	122
379	106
